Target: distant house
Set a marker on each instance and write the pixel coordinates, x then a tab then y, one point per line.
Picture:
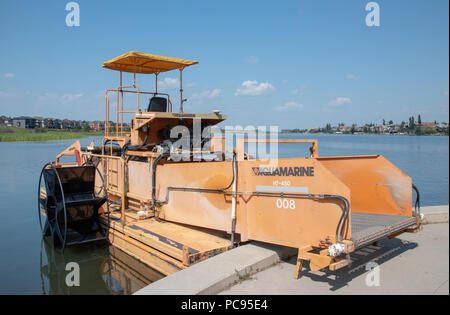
52	123
97	125
4	121
429	125
94	125
24	122
71	124
393	128
39	122
442	127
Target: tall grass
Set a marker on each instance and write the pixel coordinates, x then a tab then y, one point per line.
20	134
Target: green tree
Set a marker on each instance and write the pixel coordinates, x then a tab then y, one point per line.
86	127
429	131
418	130
412	124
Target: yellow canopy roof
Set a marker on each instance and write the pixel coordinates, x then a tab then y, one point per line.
136	62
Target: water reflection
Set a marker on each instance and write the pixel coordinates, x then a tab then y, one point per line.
104	269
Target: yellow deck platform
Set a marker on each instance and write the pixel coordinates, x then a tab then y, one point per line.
164	246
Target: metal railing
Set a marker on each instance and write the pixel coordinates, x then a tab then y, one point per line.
119	129
114	185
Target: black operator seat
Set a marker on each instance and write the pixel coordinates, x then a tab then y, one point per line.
157	104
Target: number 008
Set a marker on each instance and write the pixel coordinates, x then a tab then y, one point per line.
285	203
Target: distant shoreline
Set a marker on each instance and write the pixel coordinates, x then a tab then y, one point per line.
367	134
24	135
326	133
44	135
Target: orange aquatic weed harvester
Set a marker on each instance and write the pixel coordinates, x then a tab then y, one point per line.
171	213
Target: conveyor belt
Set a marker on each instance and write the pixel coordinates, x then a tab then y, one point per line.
368	227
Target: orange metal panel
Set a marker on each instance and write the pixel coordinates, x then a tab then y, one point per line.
208	210
376	185
140	178
288	221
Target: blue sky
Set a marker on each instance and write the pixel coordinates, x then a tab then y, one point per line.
295	64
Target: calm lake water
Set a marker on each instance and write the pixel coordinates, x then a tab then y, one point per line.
30	266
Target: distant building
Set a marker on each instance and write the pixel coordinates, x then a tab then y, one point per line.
4	121
429	125
39	122
97	125
442	127
94	125
24	122
52	123
71	124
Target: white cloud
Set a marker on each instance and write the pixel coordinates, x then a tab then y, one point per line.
299	90
289	106
60	98
351	77
446	93
5	95
208	94
168	84
69	98
252	60
253	88
9	75
191	84
340	101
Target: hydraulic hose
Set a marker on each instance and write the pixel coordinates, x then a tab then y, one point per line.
220	190
212	190
233	202
343	221
127	146
155	163
417	203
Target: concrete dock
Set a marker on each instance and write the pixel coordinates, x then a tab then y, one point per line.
435	214
409	264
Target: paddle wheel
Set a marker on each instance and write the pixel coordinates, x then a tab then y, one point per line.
69	206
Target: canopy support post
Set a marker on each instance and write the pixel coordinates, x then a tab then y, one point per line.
181	90
156	82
